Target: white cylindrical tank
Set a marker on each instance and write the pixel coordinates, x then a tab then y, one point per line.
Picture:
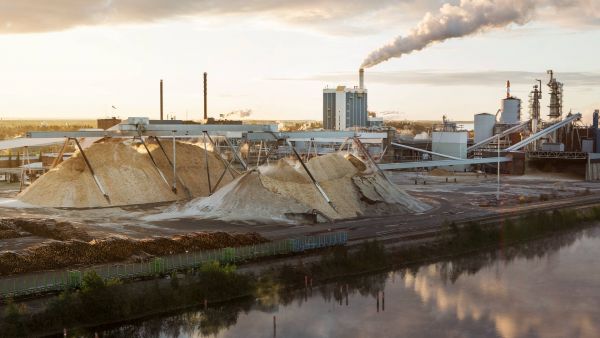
484	126
511	111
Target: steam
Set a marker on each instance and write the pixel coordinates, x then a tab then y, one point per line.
237	113
422	136
454	21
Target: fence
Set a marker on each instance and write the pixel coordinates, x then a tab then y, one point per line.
67	279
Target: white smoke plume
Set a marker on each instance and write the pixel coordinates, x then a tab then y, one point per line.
238	113
454	21
422	136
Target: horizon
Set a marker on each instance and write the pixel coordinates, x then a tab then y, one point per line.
276	61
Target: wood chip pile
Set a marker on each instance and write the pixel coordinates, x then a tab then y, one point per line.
128	176
272	192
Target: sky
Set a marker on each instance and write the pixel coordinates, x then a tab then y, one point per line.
77	59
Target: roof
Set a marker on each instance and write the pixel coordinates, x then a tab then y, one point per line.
29	142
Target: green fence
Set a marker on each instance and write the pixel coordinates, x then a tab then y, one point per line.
49	281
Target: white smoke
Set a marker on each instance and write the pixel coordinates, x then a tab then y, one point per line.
237	113
422	136
453	21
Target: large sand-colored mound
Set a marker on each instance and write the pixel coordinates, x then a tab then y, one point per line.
128	176
273	192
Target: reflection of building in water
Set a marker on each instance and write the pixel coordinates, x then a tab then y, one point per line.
510	296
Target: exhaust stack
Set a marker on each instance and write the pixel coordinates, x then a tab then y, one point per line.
205	98
161	99
361	78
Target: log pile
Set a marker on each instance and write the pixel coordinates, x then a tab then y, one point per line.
74	252
46	228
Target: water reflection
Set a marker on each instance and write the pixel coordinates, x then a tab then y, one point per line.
549	288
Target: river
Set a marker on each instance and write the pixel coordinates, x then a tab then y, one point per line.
545	288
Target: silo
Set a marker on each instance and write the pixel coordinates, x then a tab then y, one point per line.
452	143
511	111
484	126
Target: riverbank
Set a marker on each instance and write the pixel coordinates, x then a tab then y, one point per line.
491	293
98	301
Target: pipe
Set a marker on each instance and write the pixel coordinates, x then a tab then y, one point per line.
541	133
87	162
152	159
502	134
205	96
174	188
312	178
425	151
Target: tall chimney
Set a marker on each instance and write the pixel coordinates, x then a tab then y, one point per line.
508	89
161	99
205	98
361	78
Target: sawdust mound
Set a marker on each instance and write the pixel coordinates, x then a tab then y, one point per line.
243	199
56	254
128	176
440	172
273	192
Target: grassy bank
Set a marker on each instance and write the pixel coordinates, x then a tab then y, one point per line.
99	301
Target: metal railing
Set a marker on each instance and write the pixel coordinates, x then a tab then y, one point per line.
51	281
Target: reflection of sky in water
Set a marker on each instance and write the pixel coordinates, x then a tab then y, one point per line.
552	293
557	295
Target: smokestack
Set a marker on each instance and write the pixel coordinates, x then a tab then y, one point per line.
361	78
508	89
161	99
205	98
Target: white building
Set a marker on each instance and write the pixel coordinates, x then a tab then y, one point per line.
344	108
451	143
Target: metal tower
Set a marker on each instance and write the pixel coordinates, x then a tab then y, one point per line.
556	97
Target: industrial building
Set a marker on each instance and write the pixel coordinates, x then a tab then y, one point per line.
449	140
346	107
510	143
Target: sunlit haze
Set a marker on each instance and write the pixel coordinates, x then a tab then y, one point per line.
275	59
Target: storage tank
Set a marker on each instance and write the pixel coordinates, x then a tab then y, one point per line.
511	111
450	143
484	126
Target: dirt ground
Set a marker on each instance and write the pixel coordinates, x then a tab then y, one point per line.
461	195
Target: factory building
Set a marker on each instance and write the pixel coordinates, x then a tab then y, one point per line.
447	139
345	107
451	143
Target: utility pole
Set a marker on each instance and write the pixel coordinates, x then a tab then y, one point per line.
498	173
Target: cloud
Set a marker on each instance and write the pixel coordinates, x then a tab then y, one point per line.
571	13
330	16
445	78
27	16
